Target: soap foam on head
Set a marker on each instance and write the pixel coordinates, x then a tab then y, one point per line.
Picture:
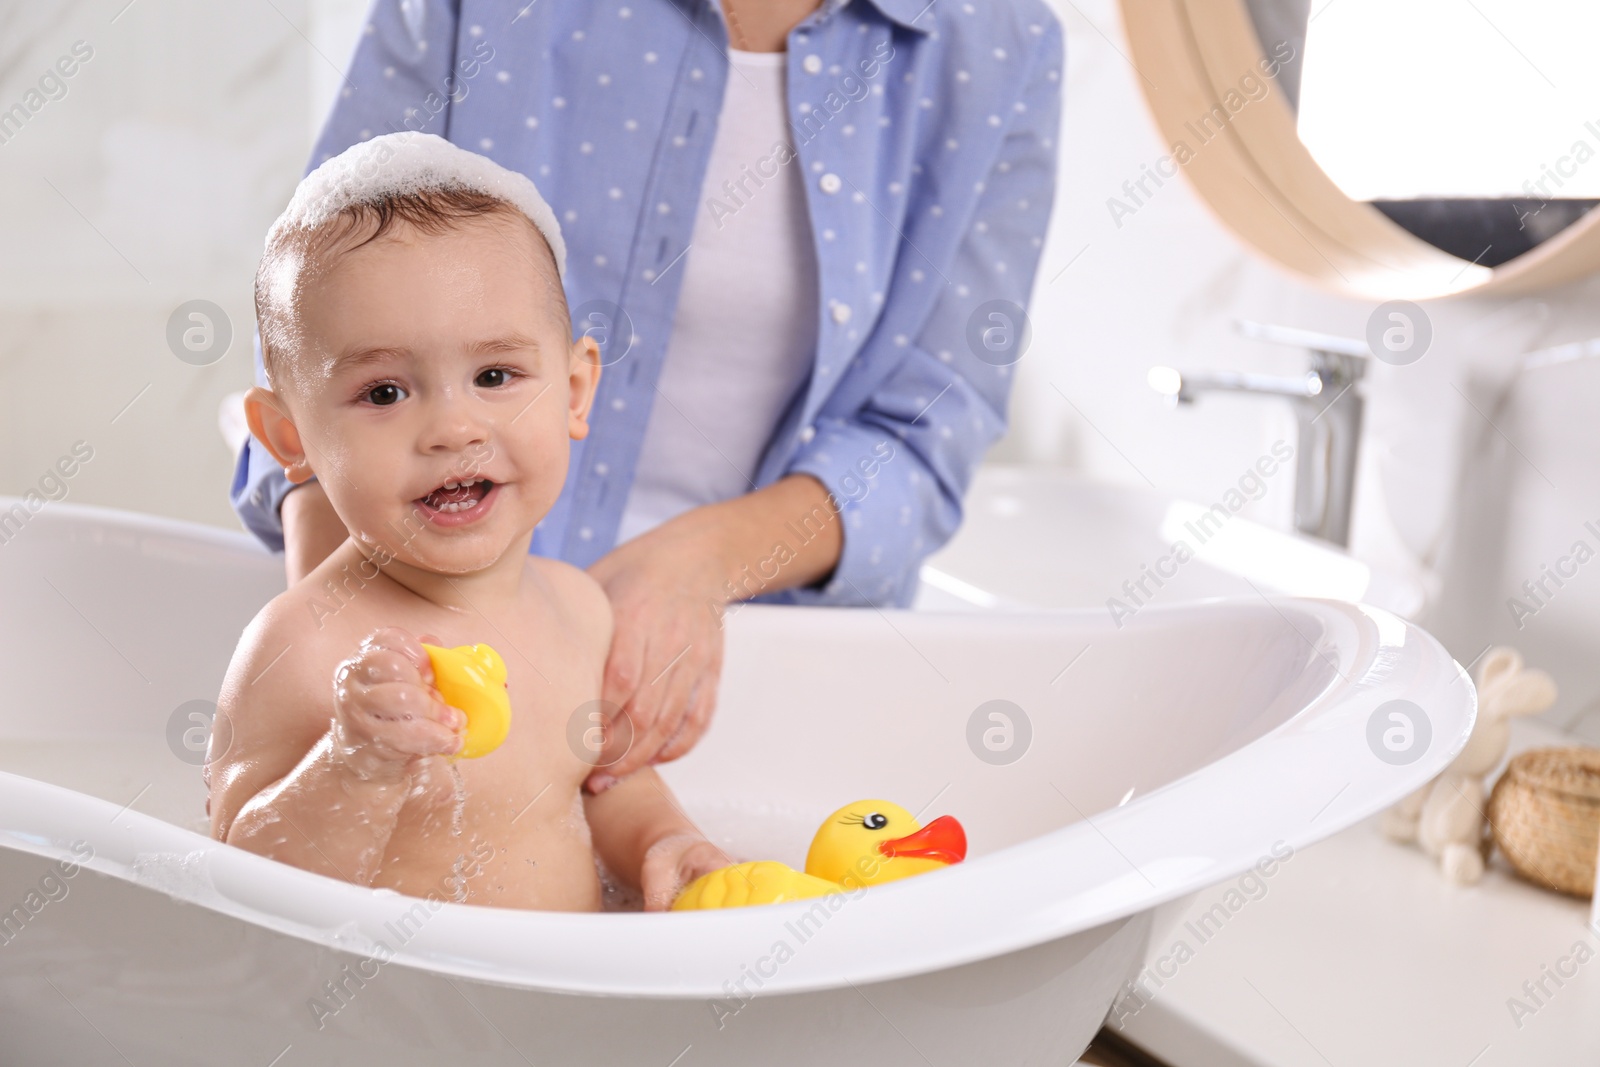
399	164
366	175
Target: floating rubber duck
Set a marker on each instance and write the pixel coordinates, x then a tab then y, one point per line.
473	679
866	843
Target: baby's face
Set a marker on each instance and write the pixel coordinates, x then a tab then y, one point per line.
435	389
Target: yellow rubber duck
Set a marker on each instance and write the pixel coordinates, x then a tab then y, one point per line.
866	843
473	678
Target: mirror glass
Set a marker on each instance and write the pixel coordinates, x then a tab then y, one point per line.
1473	124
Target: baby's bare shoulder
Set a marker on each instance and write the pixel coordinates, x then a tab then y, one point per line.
276	701
277	655
577	596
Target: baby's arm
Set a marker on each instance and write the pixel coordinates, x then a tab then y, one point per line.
332	808
645	839
638	829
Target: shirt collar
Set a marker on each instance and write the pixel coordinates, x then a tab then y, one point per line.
912	14
904	12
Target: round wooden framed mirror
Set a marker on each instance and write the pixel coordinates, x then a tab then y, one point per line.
1260	103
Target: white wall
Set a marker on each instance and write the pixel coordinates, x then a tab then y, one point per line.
152	181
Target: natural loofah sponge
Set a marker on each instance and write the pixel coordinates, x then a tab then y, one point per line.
1545	811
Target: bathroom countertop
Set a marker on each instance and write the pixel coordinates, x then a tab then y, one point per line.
1357	951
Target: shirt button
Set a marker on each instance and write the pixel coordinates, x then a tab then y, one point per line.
813	64
807	434
830	183
841	313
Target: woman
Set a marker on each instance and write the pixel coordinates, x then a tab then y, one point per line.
801	233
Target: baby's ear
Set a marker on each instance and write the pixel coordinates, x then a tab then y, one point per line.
271	424
583	378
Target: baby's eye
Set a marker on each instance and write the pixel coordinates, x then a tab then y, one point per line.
493	378
385	394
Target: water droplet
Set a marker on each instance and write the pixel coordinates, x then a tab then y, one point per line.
459	810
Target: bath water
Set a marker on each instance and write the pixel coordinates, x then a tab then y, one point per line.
144	775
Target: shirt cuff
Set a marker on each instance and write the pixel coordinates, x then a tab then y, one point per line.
885	499
257	494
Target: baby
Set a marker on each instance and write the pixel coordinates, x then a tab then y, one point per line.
417	341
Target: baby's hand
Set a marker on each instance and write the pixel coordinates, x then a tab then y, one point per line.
672	863
387	712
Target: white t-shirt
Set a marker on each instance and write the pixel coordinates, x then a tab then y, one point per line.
745	335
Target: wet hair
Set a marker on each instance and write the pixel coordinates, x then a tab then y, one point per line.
296	255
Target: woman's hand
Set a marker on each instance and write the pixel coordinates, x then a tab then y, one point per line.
669	589
672	863
667	593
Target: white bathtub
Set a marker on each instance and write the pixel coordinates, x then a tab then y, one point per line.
1226	730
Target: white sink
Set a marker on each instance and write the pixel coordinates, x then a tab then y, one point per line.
1035	537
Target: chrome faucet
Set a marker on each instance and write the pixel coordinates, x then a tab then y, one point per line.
1327	407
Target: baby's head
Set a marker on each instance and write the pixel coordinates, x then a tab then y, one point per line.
419	351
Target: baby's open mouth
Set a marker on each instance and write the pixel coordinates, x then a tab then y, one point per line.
454	497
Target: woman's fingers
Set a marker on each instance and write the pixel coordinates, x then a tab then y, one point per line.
664	644
702	701
710	684
674	703
625	661
653	717
624	665
677	702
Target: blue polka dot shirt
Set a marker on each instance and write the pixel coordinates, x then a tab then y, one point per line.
926	133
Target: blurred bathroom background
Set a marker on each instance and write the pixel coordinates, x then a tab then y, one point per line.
150	176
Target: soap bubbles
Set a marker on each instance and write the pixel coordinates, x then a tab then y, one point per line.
199	332
599	733
999	732
1399	332
1399	732
193	730
405	163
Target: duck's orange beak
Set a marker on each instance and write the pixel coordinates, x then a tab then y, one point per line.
942	839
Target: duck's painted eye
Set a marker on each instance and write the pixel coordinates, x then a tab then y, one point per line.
875	821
